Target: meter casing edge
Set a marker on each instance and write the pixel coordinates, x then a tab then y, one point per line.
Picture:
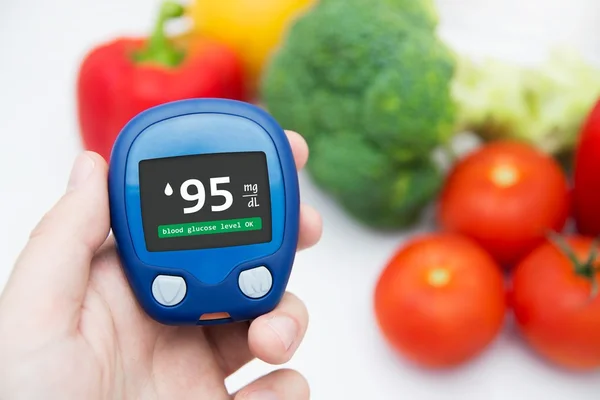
201	297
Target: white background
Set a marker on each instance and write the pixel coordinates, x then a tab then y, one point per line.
343	356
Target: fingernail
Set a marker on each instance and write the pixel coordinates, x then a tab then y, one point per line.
285	328
263	395
82	168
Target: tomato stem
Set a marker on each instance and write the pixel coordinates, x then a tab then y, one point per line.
586	269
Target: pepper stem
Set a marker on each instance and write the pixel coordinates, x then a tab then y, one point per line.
159	49
586	269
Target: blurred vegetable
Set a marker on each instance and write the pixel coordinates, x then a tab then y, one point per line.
368	85
440	301
586	191
556	304
544	105
252	28
119	79
507	196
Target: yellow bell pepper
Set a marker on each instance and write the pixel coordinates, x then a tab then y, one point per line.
252	28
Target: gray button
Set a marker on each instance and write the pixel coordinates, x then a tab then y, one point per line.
255	282
169	290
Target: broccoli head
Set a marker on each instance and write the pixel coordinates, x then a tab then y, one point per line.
368	85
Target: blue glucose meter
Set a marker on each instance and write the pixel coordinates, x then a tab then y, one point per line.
204	206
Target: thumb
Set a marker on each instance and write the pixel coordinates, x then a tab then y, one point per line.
49	281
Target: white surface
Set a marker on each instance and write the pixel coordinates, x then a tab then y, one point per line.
343	355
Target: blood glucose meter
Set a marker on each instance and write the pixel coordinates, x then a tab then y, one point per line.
204	207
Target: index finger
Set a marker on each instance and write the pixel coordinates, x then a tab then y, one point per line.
299	148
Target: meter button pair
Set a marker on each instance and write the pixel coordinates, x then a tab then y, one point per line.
169	290
256	282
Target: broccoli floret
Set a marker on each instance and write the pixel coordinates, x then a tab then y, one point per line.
370	184
543	105
409	106
368	85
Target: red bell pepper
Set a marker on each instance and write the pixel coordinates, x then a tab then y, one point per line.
586	179
124	77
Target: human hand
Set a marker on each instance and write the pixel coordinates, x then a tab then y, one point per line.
70	327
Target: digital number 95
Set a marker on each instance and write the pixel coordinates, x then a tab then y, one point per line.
200	196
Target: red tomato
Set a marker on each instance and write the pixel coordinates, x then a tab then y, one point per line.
553	304
506	196
441	300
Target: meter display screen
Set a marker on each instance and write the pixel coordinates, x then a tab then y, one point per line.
205	201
